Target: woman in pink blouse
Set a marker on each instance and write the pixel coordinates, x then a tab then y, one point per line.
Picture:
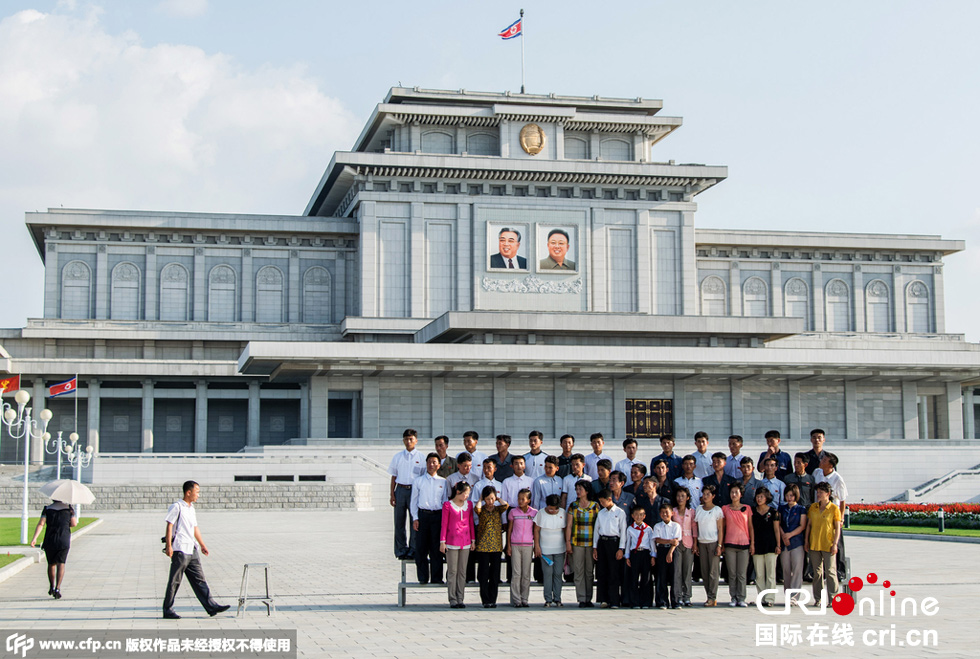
738	537
456	539
684	554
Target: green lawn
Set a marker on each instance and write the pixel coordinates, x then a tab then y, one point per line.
10	529
7	559
918	530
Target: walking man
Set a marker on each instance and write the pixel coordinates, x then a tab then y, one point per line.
182	541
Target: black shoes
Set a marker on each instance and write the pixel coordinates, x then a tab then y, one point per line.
220	609
57	594
170	615
51	591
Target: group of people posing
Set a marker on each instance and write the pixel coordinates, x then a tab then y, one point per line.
629	535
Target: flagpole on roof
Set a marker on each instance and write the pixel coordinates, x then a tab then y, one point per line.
76	408
522	50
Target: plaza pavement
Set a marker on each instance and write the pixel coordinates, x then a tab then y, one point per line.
334	580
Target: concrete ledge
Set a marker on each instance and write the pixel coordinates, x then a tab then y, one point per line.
8	571
913	536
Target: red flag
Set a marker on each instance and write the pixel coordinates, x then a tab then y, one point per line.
66	387
11	383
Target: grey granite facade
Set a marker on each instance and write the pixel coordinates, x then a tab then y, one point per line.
392	302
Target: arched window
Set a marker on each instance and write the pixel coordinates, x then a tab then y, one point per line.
615	149
222	294
316	296
576	148
173	292
482	144
837	302
755	297
917	307
124	295
268	295
796	301
435	141
76	290
879	308
714	301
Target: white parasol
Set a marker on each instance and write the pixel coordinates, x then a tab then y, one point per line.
69	491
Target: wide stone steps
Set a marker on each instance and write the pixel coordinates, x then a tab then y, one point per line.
331	496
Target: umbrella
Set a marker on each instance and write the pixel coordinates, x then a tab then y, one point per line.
68	491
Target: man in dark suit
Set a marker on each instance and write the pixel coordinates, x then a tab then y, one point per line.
509	241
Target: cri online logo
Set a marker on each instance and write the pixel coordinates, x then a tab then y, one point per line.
843	604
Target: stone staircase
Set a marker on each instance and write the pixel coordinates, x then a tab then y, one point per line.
245	496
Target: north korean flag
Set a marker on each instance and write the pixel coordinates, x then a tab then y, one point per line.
66	387
513	30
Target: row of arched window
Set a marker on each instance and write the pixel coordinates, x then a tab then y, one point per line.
175	298
837	303
610	148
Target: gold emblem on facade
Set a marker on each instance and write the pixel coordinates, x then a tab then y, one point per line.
532	139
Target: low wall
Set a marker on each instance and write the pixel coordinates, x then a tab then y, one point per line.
329	496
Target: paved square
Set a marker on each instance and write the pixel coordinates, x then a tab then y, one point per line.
334	581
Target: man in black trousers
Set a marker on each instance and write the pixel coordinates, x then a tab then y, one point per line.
182	540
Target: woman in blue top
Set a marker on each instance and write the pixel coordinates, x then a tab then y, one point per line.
792	521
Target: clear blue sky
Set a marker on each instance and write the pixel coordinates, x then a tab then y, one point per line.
831	116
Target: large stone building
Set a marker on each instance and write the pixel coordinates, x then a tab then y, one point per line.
491	261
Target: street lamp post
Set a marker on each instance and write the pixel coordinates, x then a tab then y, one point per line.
78	459
20	425
60	447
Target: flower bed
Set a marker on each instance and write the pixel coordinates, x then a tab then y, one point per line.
957	515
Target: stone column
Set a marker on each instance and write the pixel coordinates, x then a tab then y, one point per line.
248	286
304	410
559	140
254	414
464	252
200	286
954	409
619	408
776	290
858	301
969	422
687	258
38	401
734	290
819	322
416	273
680	407
338	292
851	427
52	281
645	258
910	409
561	409
500	407
795	411
438	389
371	390
150	284
368	245
147	416
101	283
319	404
201	417
94	415
940	299
738	405
294	286
898	299
598	291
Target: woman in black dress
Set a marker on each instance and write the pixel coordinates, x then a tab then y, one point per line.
59	518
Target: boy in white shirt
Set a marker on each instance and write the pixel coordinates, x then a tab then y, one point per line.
666	536
568	483
639	560
608	544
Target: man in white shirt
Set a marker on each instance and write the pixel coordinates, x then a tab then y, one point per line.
405	467
702	459
519	481
733	464
568	483
429	492
625	466
689	480
592	459
608	545
534	459
548	483
464	472
182	539
470	440
489	469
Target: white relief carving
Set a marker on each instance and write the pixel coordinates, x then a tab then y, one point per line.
531	284
796	287
270	275
918	289
713	286
222	275
755	286
837	289
76	270
126	272
174	273
877	288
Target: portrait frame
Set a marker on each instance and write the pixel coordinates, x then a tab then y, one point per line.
544	261
496	259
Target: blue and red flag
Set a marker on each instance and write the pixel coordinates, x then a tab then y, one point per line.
515	29
66	387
